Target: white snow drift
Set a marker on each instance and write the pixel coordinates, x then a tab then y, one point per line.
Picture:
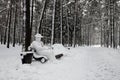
83	63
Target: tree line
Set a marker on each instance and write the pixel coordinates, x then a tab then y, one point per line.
69	22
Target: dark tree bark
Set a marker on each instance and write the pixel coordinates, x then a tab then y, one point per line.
68	32
112	23
75	23
9	25
27	26
31	23
61	23
53	23
15	24
5	31
1	35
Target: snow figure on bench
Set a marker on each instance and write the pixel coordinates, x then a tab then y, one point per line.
41	52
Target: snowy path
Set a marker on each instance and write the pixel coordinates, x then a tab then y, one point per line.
83	63
100	63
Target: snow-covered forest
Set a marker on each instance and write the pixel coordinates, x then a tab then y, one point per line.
70	22
83	34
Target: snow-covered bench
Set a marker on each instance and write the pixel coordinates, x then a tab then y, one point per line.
58	49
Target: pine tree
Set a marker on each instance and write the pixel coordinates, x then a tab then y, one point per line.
53	22
15	24
9	25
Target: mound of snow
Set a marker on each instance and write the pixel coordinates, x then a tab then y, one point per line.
60	49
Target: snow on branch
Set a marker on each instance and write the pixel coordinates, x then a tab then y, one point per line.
68	3
3	10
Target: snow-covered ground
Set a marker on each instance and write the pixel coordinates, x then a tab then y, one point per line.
81	63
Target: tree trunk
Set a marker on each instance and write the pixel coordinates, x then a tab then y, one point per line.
5	31
9	26
119	35
1	35
41	16
68	31
31	23
61	19
75	23
53	22
102	29
15	24
27	26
